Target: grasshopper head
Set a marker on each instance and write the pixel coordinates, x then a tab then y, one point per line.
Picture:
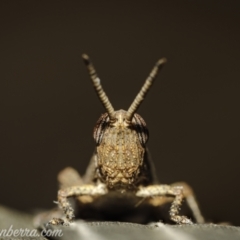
120	135
120	148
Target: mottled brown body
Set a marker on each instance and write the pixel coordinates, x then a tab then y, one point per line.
120	183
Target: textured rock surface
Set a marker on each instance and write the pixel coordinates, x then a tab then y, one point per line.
125	231
120	231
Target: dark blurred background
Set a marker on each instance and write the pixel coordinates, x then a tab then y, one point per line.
49	108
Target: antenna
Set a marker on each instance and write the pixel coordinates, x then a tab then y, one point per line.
145	88
98	87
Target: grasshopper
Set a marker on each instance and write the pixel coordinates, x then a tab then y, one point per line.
120	179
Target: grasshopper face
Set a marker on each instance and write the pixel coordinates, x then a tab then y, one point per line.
120	148
121	136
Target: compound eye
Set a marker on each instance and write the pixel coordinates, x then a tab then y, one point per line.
141	128
100	128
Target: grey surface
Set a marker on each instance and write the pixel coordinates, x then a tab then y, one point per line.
118	231
124	231
16	220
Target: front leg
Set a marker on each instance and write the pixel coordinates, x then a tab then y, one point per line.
166	191
75	191
191	201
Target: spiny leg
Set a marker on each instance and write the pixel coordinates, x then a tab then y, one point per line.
67	177
165	191
191	201
41	218
75	191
